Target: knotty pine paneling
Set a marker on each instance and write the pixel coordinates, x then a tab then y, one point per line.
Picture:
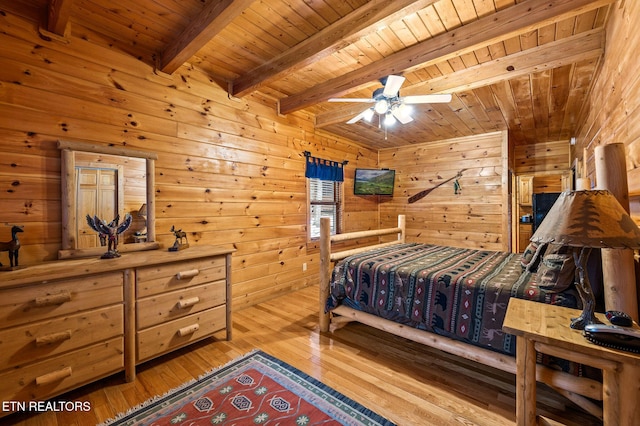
547	183
477	217
228	170
542	157
612	113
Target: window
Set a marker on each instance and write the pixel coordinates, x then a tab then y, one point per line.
325	200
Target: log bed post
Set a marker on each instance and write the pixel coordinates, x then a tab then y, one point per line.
326	259
618	269
325	270
402	224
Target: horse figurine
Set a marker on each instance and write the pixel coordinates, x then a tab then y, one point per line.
12	246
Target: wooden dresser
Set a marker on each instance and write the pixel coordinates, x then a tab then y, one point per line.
67	323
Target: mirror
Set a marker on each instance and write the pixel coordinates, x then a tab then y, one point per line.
106	182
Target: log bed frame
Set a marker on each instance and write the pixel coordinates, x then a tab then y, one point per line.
620	292
576	389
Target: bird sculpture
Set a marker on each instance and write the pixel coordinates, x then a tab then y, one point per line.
111	230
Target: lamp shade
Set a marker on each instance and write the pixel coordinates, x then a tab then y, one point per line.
588	219
143	210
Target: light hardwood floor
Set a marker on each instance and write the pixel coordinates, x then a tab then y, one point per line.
403	381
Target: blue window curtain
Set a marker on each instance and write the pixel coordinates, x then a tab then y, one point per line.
318	168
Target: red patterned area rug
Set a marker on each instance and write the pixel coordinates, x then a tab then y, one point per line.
256	389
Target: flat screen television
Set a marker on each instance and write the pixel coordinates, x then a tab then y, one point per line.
374	182
542	203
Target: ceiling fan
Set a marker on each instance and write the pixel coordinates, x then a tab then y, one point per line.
388	103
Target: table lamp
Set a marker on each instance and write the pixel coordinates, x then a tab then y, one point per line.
584	220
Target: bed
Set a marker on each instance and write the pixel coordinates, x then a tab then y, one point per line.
449	298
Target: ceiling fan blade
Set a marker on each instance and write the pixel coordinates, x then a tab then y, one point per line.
367	100
357	117
392	86
427	99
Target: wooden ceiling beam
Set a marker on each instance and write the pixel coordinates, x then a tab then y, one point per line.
584	46
329	40
514	20
58	16
216	15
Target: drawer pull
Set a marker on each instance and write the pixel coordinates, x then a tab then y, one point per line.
53	299
187	274
185	303
49	339
190	329
54	376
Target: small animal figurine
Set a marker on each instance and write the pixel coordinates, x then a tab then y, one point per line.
180	237
111	230
12	246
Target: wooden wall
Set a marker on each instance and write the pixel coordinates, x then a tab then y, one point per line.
613	111
612	115
228	170
542	157
476	217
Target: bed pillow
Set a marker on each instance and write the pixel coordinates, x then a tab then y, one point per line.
556	272
532	255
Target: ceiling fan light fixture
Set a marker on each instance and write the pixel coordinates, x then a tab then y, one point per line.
402	113
389	120
405	110
382	106
389	105
368	115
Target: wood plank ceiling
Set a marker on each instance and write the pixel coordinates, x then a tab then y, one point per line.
522	65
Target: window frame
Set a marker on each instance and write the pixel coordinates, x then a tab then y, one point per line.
338	202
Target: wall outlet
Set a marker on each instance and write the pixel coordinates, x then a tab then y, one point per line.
304	266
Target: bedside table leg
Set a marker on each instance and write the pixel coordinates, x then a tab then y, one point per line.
525	382
621	399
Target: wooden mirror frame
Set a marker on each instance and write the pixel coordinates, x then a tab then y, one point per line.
69	198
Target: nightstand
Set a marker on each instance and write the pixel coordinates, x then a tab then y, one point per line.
545	328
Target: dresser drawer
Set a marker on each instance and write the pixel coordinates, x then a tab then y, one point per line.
174	334
176	304
46	300
38	340
175	275
55	375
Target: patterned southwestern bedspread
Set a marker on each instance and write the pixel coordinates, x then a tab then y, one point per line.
460	293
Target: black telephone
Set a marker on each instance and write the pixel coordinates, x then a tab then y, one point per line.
613	336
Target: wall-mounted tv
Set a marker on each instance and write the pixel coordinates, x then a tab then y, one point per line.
374	182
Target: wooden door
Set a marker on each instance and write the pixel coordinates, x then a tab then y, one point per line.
97	195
